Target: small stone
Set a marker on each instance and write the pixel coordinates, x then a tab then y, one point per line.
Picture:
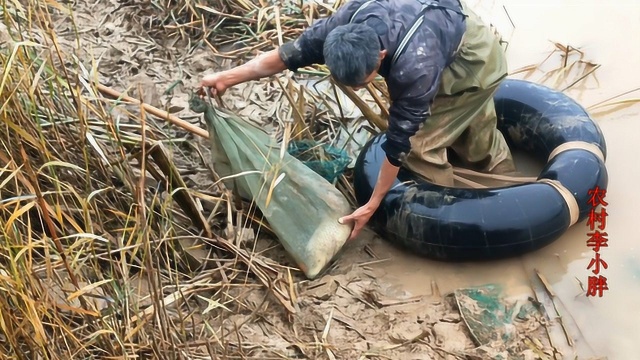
450	336
406	332
108	29
451	318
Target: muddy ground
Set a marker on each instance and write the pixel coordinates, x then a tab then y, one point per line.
346	314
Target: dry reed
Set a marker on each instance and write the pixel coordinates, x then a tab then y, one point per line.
104	251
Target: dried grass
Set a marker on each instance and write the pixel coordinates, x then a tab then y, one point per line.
572	69
232	28
104	252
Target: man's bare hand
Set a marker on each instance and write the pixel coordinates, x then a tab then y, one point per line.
214	84
360	218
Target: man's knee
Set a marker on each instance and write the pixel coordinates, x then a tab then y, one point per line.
432	166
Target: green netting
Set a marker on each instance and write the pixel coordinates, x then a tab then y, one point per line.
301	207
486	315
327	161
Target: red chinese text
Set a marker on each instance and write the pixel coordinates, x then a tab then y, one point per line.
598	238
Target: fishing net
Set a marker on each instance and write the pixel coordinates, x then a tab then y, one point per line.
485	313
301	206
327	161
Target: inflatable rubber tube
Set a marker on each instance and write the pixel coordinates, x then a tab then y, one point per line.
460	224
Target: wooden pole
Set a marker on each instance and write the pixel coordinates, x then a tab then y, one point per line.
157	112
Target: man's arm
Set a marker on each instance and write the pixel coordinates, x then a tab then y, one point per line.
361	216
412	85
263	65
306	50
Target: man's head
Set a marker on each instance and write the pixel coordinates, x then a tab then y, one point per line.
352	54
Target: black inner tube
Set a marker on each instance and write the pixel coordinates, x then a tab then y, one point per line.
460	224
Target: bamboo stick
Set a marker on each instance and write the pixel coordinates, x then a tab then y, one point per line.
155	111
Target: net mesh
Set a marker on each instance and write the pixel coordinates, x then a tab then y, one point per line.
301	206
327	161
486	314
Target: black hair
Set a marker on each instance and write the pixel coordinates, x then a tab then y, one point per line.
351	53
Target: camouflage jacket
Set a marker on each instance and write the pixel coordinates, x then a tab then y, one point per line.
413	79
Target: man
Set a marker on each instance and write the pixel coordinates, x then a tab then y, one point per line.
441	64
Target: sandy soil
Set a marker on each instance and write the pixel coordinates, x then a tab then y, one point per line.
346	314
